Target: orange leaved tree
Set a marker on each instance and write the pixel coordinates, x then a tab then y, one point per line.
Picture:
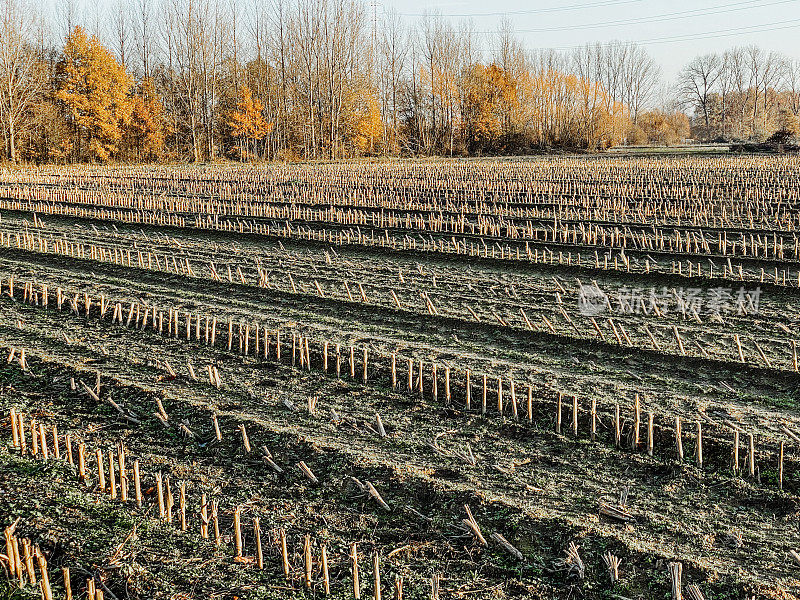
489	100
361	118
247	122
146	128
93	89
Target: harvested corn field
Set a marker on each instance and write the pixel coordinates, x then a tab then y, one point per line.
540	378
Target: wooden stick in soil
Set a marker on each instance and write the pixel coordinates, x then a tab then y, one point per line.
483	400
376	496
203	516
694	593
795	556
266	455
123	474
529	406
101	478
675	572
257	536
68	446
500	395
507	546
56	445
575	416
307	472
12	560
678	439
245	439
558	414
284	552
738	347
137	484
112	480
398	587
43	442
699	446
447	395
18	558
307	561
34	438
780	467
650	434
160	495
379	425
613	563
47	593
67	583
376	567
354	570
169	500
617	428
215	521
28	560
182	504
23	449
217	431
468	391
472	525
82	462
237	529
751	455
326	581
14	428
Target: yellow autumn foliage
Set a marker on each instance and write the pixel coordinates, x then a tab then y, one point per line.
93	88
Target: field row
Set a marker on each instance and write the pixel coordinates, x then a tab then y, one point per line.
597	356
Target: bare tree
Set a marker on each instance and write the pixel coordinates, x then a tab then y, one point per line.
67	13
724	84
122	32
394	48
625	71
775	67
793	86
189	37
640	77
21	78
738	73
143	31
696	84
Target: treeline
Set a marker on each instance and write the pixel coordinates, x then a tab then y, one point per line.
744	93
307	79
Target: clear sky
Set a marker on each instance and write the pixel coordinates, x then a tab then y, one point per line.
672	31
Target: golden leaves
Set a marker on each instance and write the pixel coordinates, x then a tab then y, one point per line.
93	87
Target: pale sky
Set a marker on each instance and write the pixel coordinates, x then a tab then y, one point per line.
672	31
